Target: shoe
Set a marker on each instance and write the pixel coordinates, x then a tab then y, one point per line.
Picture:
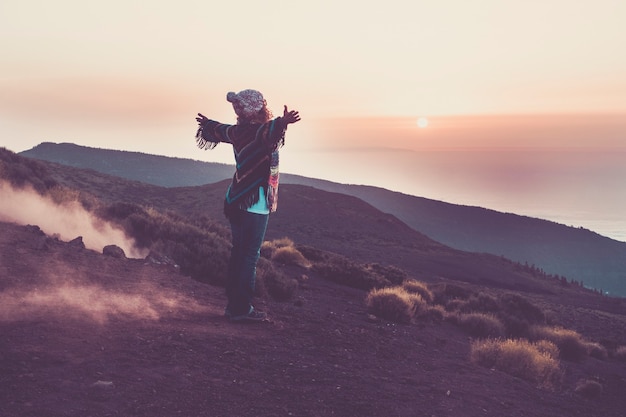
252	316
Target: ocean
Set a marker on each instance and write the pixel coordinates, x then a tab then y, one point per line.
575	187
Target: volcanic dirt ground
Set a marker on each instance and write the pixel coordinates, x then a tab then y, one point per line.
83	334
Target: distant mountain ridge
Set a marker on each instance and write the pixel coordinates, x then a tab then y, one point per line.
151	169
577	254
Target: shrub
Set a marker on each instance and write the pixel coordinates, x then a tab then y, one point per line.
517	357
273	282
282	242
444	292
202	254
596	350
588	388
571	344
547	347
518	306
392	303
436	313
391	273
481	303
268	248
455	305
343	271
420	306
518	314
313	254
516	327
289	255
62	195
21	172
417	287
481	324
620	353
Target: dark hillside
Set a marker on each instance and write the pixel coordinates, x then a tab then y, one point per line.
331	221
151	169
85	333
88	332
577	254
89	335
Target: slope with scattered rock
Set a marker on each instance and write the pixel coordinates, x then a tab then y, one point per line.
91	335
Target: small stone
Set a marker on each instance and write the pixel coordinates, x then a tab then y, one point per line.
114	251
103	384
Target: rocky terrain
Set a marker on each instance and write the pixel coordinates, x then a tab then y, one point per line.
86	333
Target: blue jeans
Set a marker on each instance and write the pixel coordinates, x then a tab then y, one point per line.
248	233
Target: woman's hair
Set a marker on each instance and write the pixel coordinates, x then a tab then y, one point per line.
264	115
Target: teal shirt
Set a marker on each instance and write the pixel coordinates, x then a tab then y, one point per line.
260	207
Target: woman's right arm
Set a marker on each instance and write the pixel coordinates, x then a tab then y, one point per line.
210	132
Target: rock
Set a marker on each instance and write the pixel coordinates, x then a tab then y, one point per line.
103	384
101	390
155	258
114	251
42	243
35	229
78	242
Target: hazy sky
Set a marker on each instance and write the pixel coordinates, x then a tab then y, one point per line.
131	75
126	73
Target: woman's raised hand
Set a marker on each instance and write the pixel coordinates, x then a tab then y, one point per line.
201	119
291	116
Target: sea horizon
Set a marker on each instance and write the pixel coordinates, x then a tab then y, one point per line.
580	188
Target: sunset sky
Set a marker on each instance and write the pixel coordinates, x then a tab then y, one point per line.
129	74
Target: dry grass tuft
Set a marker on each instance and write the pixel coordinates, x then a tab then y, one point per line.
548	348
273	282
520	358
391	273
620	353
420	306
515	312
392	303
481	324
480	303
268	248
518	315
344	271
444	292
418	287
570	343
435	313
289	255
596	350
588	388
455	305
516	305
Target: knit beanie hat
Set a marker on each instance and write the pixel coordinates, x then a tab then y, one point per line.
247	103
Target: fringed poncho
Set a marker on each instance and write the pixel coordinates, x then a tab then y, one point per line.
256	154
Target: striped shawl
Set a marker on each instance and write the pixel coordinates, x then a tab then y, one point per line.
256	155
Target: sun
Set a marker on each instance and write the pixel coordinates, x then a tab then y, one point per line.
422	122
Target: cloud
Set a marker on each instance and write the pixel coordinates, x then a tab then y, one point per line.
89	101
66	290
92	302
68	221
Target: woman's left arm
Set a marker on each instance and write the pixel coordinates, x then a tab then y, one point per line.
274	131
290	116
